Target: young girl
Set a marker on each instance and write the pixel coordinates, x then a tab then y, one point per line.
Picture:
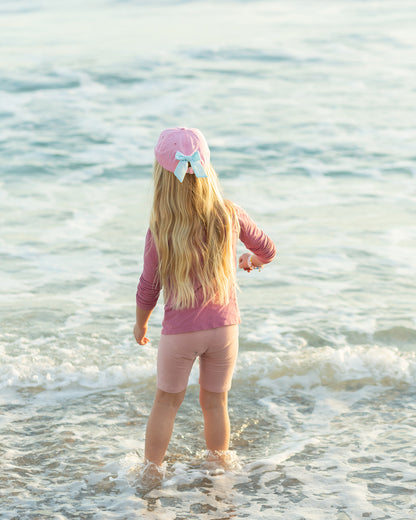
190	252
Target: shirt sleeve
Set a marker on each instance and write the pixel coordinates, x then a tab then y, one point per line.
148	289
254	238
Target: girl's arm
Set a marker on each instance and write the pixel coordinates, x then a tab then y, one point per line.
261	246
148	290
140	328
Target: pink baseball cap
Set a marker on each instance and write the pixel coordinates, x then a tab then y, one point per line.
176	147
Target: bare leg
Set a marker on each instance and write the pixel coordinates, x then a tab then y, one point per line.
217	423
160	424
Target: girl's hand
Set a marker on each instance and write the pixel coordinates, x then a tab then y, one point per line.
243	262
140	334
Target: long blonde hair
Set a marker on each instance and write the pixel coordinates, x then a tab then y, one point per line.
192	226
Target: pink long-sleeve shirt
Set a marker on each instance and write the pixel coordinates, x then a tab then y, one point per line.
210	315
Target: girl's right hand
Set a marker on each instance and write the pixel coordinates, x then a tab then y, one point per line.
248	265
243	262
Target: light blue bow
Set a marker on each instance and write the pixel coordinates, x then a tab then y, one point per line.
194	159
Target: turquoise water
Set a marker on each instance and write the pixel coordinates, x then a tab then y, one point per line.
309	109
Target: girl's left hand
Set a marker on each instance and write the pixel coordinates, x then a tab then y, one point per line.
140	334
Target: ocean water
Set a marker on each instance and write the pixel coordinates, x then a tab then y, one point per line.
309	109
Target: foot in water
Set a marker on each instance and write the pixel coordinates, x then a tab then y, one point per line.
222	459
149	476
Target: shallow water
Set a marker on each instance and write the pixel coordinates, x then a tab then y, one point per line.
309	111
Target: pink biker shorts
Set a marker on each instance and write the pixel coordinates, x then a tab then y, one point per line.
217	350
